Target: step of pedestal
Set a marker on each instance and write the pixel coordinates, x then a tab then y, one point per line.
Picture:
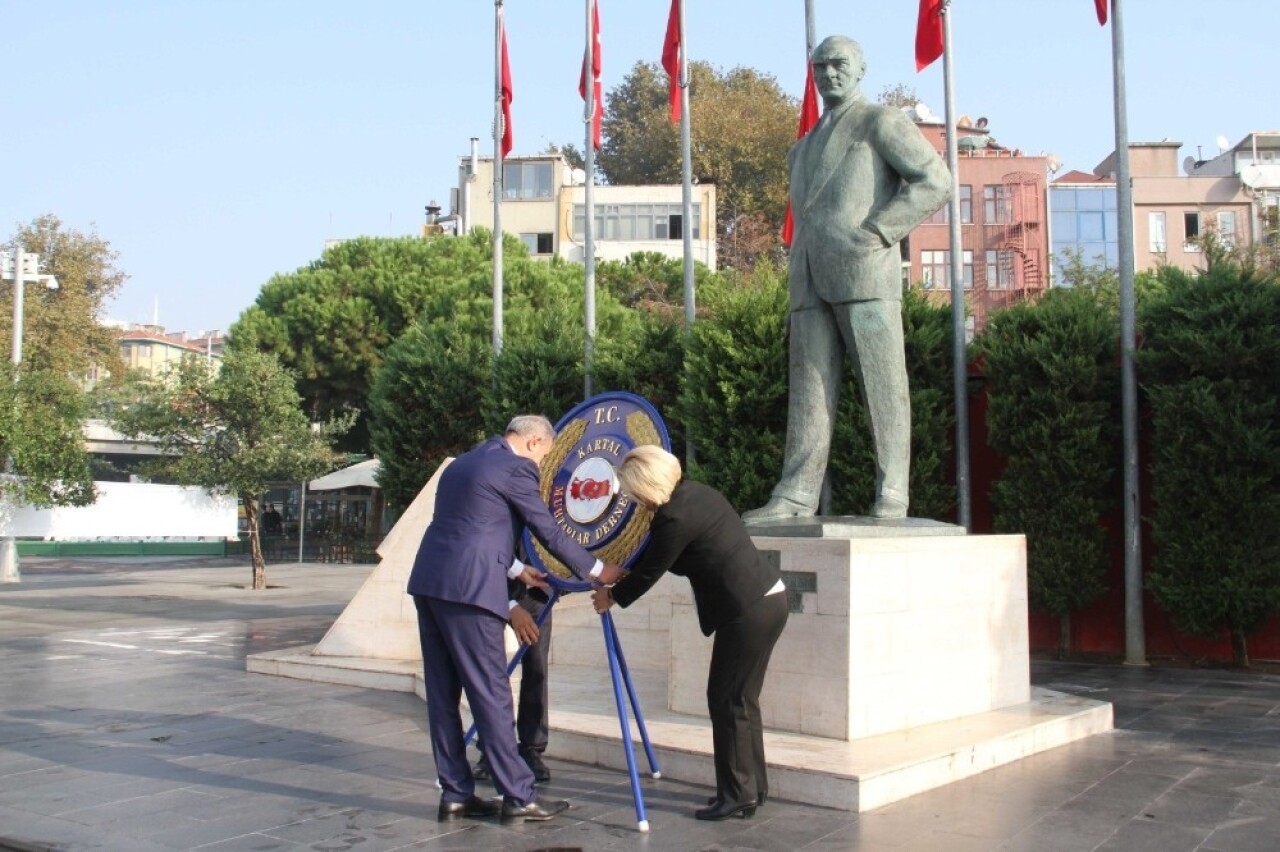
851	776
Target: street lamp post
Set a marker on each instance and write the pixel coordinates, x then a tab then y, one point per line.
20	268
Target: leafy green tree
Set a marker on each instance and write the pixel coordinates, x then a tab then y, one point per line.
331	321
743	125
235	430
1053	386
900	95
440	388
62	333
1211	343
41	422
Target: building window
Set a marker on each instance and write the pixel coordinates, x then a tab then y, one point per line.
935	268
523	181
1191	229
1000	270
1227	227
636	221
943	216
997	204
1155	230
537	243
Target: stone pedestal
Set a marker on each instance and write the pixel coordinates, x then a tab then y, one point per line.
889	630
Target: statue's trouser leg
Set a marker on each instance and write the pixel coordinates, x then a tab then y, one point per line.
873	336
814	389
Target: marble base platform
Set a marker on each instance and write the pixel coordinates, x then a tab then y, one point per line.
856	775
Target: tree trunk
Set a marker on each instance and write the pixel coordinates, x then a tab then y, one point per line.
1064	635
1239	649
250	502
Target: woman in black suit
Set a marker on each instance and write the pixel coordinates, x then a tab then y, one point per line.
739	597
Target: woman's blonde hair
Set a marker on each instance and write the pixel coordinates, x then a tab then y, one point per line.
649	474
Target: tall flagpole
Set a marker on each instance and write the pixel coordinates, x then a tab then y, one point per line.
686	176
1135	643
959	353
810	28
498	130
588	230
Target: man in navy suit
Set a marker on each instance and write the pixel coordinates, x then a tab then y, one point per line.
459	586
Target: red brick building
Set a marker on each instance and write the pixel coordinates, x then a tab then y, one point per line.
1003	231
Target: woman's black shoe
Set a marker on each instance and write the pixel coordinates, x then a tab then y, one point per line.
724	810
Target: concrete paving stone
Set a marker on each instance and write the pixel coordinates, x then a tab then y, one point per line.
1245	834
1064	832
934	841
785	830
1222	780
1141	835
250	843
1121	795
1191	808
49	801
136	808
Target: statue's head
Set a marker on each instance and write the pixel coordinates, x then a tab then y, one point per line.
838	68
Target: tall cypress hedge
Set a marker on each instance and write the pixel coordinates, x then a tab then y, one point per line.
1210	365
1053	394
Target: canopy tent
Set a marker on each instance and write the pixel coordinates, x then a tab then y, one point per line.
365	473
362	474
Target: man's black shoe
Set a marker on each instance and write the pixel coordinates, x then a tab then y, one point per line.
541	773
534	811
482	772
473	808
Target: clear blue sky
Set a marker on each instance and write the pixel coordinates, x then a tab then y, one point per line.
217	142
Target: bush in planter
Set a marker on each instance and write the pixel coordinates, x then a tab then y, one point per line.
1053	413
1211	346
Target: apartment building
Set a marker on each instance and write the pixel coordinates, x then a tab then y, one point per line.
1171	210
1003	212
544	203
150	349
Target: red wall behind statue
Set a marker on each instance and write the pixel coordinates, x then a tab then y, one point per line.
1099	628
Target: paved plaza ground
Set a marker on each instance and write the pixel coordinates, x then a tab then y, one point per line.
128	722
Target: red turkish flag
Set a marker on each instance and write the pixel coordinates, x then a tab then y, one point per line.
928	33
597	114
507	97
808	118
671	59
1101	6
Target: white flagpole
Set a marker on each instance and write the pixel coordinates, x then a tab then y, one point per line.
1135	641
686	175
498	128
959	349
589	209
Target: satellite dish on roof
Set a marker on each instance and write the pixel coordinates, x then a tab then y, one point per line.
981	123
1223	143
1253	177
577	177
1189	164
1054	163
923	112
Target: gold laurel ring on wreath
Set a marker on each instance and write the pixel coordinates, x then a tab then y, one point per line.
641	430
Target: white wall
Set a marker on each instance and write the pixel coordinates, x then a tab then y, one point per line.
128	510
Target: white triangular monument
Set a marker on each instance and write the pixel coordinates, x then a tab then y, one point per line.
380	623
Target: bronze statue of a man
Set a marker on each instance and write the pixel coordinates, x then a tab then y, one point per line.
860	181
